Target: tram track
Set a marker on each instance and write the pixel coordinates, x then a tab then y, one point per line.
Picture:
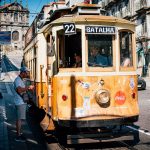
62	147
127	146
103	145
128	142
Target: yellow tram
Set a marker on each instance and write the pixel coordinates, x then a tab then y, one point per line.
84	68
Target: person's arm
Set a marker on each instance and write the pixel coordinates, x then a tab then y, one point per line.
126	62
21	89
24	89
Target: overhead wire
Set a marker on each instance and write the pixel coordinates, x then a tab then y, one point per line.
39	4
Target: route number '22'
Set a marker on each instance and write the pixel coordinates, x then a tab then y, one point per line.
69	28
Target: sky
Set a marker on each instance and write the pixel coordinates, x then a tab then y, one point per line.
34	6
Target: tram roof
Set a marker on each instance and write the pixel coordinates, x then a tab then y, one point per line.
85	19
89	18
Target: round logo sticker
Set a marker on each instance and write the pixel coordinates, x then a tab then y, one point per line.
120	98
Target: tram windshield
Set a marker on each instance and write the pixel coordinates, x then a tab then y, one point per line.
70	50
100	50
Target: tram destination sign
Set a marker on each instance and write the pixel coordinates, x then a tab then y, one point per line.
100	30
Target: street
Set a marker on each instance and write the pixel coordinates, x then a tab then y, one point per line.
141	128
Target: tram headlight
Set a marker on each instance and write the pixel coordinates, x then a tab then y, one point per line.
103	98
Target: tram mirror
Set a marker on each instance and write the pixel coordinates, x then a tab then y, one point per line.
50	49
50	45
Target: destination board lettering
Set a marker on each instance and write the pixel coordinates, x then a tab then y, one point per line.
100	30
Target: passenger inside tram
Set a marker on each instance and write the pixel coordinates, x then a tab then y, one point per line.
98	58
126	62
78	60
125	58
100	50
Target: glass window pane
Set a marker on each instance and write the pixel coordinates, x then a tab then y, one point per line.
15	35
70	51
100	50
15	17
126	56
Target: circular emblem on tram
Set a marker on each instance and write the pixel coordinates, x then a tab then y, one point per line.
102	97
120	98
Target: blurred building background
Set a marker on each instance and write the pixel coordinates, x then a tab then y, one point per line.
15	18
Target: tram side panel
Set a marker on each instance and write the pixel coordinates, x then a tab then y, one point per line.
85	98
41	78
41	66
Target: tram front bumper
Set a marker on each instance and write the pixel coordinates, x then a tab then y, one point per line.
97	123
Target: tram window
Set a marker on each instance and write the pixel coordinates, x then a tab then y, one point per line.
126	56
100	50
70	52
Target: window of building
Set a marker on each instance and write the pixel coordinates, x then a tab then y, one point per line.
23	37
120	7
126	52
15	47
23	17
143	3
11	17
143	23
15	35
95	1
144	27
126	2
113	12
15	17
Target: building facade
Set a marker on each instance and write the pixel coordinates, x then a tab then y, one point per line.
15	18
34	39
137	11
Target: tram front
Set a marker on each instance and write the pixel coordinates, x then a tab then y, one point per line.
93	72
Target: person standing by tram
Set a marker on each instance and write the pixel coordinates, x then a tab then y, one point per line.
20	104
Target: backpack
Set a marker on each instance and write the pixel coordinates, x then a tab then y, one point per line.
35	112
